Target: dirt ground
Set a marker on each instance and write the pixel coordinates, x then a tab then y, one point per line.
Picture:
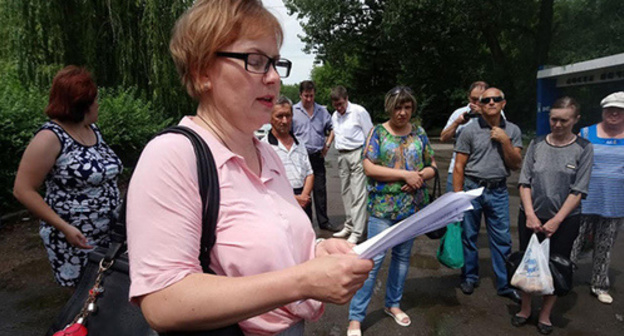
30	299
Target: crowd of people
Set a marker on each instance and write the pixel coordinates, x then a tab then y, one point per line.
272	273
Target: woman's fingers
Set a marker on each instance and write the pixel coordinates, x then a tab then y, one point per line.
335	278
333	246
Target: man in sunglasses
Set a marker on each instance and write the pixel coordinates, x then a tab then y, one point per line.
312	125
486	152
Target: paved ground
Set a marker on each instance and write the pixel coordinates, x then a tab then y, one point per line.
437	306
30	300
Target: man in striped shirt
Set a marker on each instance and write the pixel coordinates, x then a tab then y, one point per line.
294	155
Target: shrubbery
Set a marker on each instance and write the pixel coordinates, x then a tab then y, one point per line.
128	122
126	119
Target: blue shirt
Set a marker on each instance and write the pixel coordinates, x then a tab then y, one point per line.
311	130
606	185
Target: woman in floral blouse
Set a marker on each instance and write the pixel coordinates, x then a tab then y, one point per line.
398	159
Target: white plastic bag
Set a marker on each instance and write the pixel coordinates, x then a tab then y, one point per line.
533	274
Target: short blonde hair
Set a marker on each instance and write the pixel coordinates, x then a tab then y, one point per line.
210	25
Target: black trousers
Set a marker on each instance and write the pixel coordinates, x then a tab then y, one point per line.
319	191
307	208
561	241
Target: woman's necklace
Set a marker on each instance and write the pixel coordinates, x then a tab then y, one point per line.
228	147
214	132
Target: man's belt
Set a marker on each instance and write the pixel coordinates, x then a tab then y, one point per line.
489	183
343	151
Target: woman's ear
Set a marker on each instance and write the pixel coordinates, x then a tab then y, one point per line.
207	85
203	80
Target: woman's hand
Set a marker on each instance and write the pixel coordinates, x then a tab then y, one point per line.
413	179
533	223
75	237
335	278
551	227
407	189
333	246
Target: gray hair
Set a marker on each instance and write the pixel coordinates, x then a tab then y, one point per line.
283	100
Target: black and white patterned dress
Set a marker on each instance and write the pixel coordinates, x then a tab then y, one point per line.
82	189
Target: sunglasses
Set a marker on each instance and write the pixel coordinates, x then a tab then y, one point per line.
400	89
486	100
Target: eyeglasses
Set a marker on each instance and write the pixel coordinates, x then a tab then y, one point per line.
398	90
486	100
260	63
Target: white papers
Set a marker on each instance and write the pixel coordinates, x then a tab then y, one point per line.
449	208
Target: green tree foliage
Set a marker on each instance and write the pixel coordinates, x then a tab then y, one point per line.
124	43
438	47
290	91
586	29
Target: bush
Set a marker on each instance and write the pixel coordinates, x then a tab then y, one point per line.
20	116
126	119
128	122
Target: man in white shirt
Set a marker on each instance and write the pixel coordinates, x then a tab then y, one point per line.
351	123
293	155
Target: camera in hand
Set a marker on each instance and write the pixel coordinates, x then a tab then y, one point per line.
469	115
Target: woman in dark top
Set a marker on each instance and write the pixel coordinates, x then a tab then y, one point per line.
79	170
554	178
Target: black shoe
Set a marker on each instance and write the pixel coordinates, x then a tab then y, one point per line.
329	227
512	295
544	329
468	287
518	321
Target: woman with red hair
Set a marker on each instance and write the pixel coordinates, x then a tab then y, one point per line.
79	170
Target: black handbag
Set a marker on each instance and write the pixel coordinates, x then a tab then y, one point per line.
435	193
111	313
561	269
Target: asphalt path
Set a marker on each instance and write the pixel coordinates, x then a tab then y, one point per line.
30	300
435	304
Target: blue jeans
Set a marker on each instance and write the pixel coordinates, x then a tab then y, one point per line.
449	182
494	205
397	273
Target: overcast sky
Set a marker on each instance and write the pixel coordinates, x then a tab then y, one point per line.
292	48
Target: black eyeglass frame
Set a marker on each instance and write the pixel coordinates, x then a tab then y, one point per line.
496	99
282	62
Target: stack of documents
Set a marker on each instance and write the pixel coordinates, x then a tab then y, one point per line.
447	209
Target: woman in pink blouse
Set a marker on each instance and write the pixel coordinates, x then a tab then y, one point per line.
271	276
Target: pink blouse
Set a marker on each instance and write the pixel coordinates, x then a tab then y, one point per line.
261	227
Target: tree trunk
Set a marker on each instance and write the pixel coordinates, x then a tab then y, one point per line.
71	30
544	32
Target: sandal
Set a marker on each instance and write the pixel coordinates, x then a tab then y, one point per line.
518	321
398	318
544	328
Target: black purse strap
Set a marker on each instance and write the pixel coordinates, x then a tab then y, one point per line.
208	189
209	192
437	188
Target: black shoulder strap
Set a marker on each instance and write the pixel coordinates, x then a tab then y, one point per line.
208	190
